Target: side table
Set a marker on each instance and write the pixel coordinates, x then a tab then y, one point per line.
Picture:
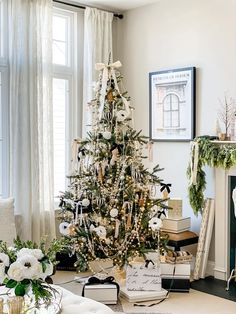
178	240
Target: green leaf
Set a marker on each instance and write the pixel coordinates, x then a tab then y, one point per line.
25	282
5	281
44	266
20	290
11	283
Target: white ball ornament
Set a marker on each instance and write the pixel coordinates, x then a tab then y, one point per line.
106	135
113	212
85	202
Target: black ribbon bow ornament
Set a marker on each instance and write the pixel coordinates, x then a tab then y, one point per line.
161	214
96	281
165	186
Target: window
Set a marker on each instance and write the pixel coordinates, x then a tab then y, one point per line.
67	88
4	142
61	38
171	111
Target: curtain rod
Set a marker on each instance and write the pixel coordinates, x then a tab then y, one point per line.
120	16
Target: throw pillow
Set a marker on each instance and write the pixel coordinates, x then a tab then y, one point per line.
7	219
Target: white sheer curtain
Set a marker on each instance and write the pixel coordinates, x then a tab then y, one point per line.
97	48
31	164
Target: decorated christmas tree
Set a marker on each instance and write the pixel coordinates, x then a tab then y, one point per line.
109	211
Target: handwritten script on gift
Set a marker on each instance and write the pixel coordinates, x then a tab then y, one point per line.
141	278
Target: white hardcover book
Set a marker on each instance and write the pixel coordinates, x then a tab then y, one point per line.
176	225
175	269
139	296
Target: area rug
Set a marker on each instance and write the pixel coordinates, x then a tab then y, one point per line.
194	302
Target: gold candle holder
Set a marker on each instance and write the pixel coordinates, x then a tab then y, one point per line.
1	305
15	305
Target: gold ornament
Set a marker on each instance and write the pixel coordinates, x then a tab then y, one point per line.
72	230
128	223
110	96
141	202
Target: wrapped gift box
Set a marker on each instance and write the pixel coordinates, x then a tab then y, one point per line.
176	225
176	208
176	284
141	296
175	277
104	293
143	277
177	270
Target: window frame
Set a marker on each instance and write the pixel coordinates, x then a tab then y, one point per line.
170	111
3	33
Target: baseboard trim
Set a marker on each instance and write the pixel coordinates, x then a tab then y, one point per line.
220	273
210	268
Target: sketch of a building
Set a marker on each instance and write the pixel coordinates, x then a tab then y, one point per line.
171	107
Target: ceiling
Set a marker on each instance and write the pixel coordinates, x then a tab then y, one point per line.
116	5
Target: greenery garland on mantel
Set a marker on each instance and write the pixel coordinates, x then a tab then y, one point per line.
205	151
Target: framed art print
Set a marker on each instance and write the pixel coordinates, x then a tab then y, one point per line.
172	104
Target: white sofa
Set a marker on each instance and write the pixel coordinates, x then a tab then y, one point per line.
72	304
7	218
69	303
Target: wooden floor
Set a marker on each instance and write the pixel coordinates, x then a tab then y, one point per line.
215	287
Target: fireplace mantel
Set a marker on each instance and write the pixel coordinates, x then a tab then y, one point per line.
205	152
222	203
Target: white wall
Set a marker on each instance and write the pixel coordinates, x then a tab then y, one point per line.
174	34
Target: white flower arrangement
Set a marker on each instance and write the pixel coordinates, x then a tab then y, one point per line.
25	268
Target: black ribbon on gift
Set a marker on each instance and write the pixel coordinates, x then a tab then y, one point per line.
147	262
165	186
96	281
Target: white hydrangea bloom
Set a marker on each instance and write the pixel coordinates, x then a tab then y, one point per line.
2	273
16	271
37	253
4	258
32	268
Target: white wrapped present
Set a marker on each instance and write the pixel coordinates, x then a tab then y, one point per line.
143	277
102	290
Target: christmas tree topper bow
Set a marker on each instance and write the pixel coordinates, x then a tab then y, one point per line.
105	75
